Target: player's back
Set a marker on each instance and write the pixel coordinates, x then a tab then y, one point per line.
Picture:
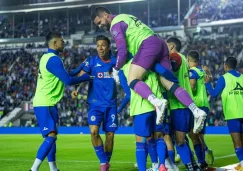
200	95
136	31
49	89
102	90
232	96
184	82
138	105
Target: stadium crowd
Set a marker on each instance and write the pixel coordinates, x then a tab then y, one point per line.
219	9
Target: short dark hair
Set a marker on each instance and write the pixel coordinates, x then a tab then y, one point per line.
194	55
176	41
97	11
231	62
102	37
51	35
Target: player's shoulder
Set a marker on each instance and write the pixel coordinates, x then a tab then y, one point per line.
90	60
113	59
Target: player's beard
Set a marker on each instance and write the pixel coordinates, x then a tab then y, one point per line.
107	26
60	49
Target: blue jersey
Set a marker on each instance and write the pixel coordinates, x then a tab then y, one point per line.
102	90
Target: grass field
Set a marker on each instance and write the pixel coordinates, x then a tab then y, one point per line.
75	153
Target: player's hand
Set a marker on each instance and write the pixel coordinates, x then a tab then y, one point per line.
74	94
115	75
208	77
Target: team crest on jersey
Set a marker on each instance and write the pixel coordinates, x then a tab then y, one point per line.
100	75
93	118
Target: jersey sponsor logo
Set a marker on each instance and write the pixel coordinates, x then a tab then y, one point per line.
238	90
113	125
45	128
238	87
93	118
104	75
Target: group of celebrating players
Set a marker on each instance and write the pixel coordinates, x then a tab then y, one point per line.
167	92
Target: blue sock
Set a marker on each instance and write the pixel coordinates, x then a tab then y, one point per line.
152	151
45	148
184	152
52	154
161	150
101	154
200	153
171	154
141	155
108	155
239	153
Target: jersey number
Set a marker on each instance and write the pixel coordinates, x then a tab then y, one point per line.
113	117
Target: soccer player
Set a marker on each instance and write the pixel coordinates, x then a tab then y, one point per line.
181	117
52	78
145	121
201	100
230	86
102	100
134	39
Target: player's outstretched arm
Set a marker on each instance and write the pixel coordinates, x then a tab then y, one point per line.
56	67
125	87
77	70
220	85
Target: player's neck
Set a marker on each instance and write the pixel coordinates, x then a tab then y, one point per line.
105	58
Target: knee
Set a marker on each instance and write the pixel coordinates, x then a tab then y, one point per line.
52	134
94	133
180	142
109	136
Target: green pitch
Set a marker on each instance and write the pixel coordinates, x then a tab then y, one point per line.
74	152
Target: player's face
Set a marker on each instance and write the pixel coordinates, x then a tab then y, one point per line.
102	22
171	47
103	49
59	43
189	62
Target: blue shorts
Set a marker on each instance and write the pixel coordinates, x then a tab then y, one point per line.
107	116
145	124
235	125
47	118
181	120
166	126
206	110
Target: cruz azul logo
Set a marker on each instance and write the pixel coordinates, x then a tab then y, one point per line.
104	75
